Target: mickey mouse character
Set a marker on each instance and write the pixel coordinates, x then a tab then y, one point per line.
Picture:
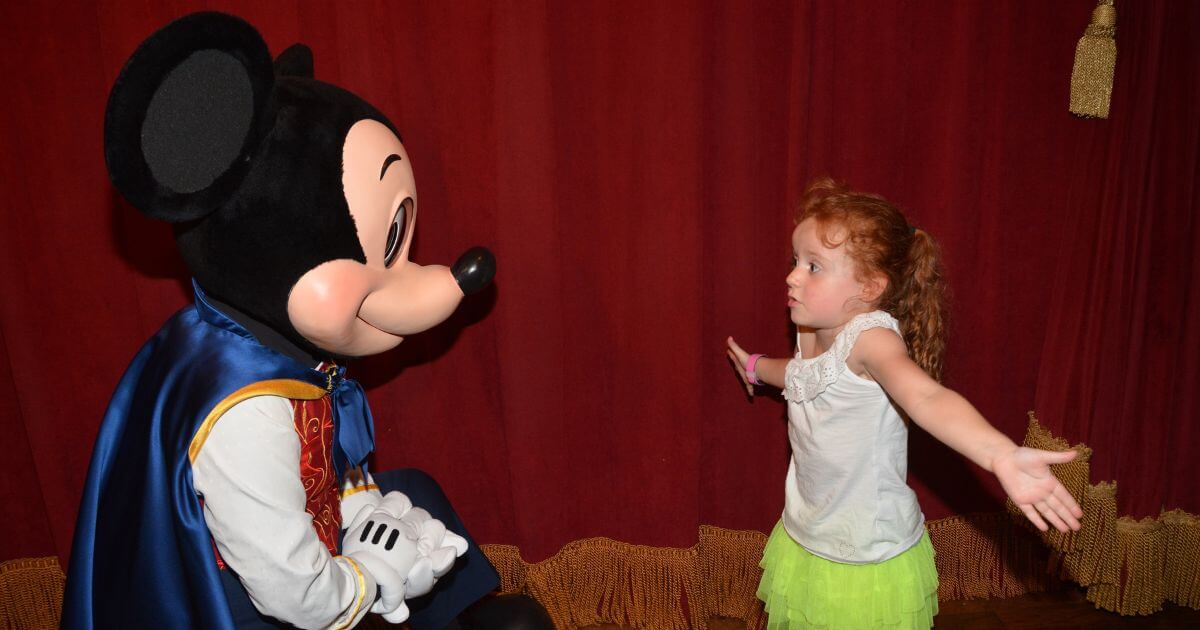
234	451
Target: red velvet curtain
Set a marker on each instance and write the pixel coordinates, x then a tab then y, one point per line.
634	168
1120	362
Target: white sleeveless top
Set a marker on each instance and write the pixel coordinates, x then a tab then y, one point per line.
846	496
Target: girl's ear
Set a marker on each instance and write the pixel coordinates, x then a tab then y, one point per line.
873	288
186	114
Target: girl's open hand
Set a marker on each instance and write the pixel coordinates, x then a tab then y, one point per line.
1025	475
739	358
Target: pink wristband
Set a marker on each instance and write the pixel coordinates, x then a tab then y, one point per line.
751	375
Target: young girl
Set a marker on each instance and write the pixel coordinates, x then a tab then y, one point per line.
851	550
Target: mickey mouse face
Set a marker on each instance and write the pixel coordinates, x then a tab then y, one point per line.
355	308
377	179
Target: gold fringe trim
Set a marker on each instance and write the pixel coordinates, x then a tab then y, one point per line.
1129	567
1140	554
1182	574
602	581
31	593
728	560
984	555
510	566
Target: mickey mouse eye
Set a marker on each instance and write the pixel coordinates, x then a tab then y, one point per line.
395	237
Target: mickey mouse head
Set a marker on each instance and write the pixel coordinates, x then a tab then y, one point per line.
292	200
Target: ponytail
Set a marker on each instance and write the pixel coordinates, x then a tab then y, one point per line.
918	304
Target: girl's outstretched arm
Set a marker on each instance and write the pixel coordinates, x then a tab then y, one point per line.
770	371
1023	472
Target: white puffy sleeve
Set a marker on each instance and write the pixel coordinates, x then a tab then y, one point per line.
248	473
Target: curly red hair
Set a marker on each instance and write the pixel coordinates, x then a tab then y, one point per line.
882	244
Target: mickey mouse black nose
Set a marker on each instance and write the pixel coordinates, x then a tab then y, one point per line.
474	270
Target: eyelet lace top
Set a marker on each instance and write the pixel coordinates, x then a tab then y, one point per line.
805	379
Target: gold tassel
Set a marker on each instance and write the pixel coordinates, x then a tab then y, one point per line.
1095	58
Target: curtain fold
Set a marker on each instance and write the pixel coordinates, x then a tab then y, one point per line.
1120	364
635	169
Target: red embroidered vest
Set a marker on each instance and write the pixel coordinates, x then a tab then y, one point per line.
314	427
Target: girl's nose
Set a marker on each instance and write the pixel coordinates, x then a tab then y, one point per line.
793	278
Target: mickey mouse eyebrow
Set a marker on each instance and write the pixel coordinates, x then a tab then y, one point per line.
386	163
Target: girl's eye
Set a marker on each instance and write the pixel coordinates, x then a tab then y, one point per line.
395	237
813	268
795	262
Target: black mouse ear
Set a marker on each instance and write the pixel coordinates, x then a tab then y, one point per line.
186	113
296	61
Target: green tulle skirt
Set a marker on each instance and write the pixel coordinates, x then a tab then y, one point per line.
802	590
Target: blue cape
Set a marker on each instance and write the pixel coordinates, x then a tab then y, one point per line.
142	555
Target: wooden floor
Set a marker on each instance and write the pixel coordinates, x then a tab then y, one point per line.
1067	608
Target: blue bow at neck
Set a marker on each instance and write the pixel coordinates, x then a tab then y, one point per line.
355	426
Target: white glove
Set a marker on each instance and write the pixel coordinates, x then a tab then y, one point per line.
391	586
404	548
354	503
